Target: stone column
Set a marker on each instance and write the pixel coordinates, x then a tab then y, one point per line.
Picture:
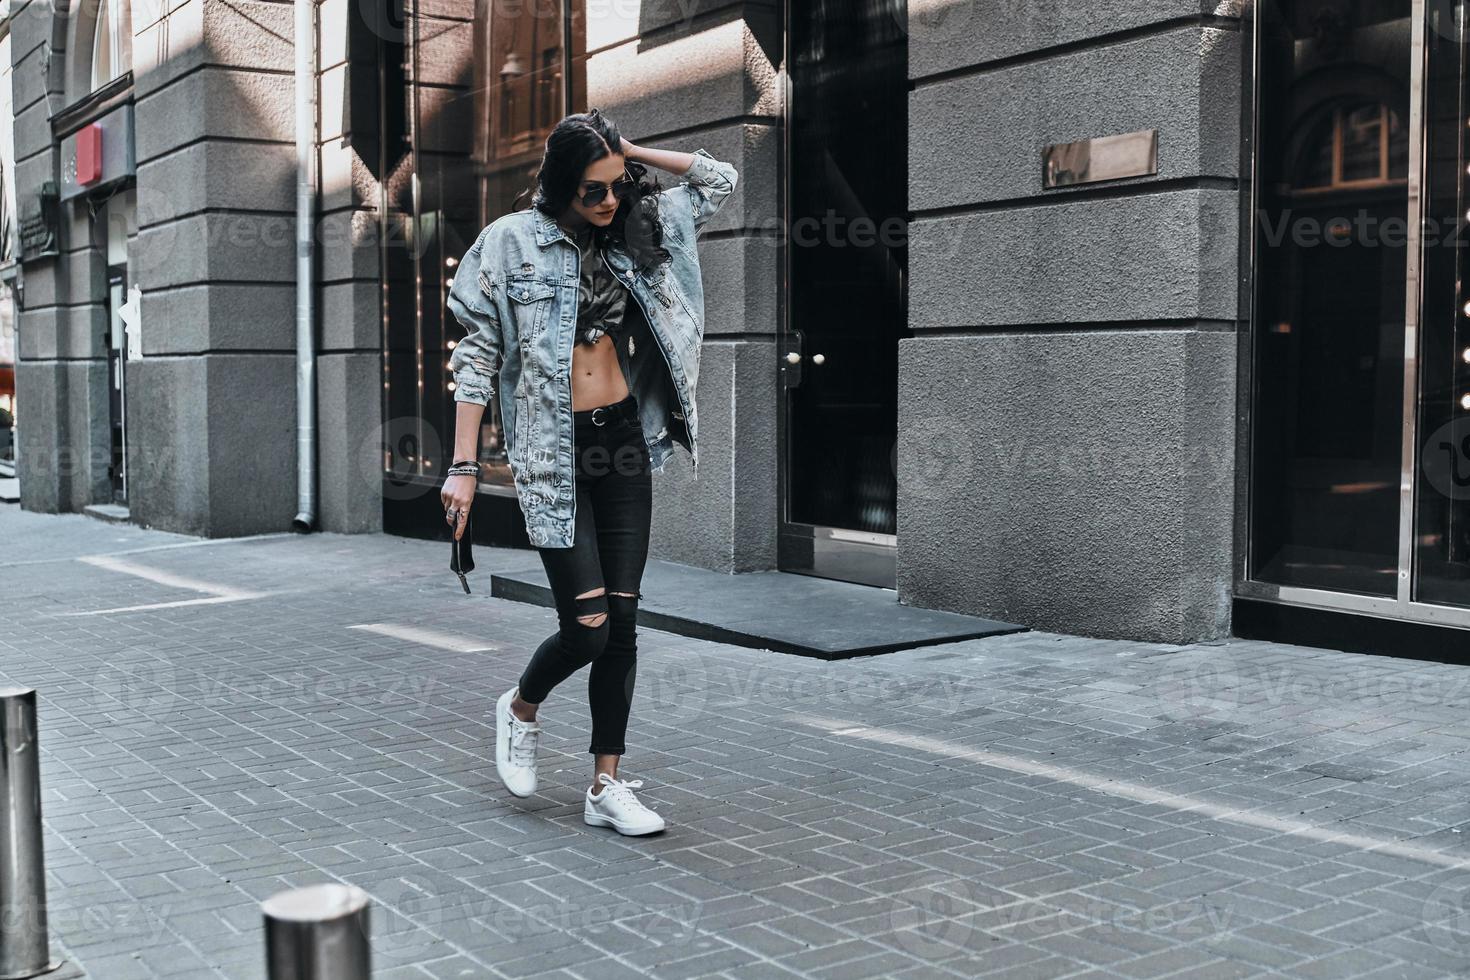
1067	404
711	79
61	372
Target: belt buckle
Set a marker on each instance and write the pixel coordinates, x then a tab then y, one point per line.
594	415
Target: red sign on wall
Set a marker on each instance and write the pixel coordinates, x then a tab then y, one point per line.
89	154
97	154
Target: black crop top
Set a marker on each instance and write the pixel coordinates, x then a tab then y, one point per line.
603	300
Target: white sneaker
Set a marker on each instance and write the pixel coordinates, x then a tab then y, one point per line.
617	807
515	747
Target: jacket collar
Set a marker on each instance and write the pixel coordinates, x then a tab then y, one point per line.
547	229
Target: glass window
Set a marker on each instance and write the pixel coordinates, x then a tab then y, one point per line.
1442	494
8	247
1358	144
1316	167
9	232
470	93
1363	136
112	41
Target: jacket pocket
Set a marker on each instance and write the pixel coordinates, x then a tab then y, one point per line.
529	291
530	304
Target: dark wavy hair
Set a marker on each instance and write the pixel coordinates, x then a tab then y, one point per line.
578	141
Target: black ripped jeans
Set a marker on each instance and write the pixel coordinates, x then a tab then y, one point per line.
609	550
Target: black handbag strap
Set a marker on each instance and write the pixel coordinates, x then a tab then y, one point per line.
461	553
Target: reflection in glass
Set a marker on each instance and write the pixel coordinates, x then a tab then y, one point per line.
1361	132
1330	294
1319	156
470	93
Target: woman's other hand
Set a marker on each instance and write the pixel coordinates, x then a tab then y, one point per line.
457	495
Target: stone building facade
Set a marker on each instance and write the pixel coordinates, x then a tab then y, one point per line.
991	318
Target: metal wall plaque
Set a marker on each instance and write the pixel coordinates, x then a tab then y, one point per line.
1103	158
40	224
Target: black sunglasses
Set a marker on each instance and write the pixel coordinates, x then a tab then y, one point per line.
622	189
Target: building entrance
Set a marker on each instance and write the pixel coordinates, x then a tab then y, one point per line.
846	198
1360	425
118	217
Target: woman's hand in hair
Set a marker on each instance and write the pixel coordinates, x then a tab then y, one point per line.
674	161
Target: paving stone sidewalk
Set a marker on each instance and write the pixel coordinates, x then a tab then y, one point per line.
225	719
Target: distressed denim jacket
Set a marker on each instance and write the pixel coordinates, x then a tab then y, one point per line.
516	293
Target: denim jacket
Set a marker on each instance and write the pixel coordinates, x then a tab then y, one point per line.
516	293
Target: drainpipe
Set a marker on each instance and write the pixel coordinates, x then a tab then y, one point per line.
306	440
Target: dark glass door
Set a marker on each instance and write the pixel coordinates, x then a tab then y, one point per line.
117	360
1333	211
846	255
1360	494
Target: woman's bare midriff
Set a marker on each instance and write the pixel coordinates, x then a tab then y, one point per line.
597	378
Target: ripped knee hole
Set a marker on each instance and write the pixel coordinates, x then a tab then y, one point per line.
595	604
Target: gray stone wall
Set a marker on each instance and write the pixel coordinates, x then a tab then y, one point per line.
1067	401
61	371
706	75
349	356
211	403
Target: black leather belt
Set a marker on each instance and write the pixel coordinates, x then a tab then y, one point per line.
603	414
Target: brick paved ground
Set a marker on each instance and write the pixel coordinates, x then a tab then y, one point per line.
222	720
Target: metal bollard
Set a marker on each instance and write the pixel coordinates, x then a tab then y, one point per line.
25	950
318	933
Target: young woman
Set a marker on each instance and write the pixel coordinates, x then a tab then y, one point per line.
588	309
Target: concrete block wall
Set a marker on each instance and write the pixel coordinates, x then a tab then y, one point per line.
211	415
1067	401
211	404
349	353
61	372
682	76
